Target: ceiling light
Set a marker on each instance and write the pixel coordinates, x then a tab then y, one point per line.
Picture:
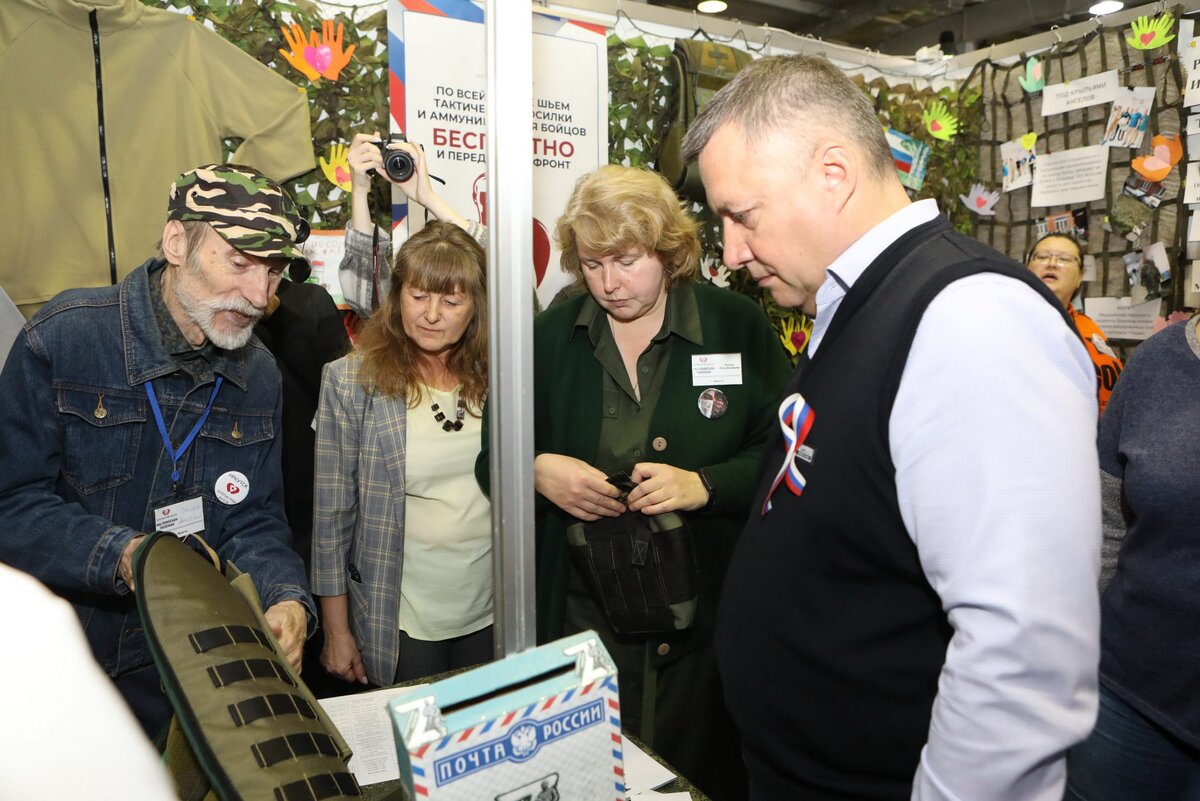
1106	7
711	6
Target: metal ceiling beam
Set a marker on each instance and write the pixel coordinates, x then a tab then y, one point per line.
992	21
853	14
648	16
806	7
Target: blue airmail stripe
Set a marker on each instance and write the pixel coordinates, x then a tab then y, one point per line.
519	744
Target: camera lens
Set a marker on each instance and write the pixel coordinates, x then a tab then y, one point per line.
399	165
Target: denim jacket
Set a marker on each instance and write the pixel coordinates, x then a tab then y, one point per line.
83	466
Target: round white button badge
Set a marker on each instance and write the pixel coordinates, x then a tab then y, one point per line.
232	488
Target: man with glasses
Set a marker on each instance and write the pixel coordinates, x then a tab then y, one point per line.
149	406
1057	259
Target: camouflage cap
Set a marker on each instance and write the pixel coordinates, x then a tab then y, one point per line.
248	209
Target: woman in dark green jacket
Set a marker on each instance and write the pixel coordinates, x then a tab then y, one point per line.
675	383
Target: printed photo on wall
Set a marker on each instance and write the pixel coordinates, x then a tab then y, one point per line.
1074	222
1130	114
911	157
1016	163
1128	218
1149	192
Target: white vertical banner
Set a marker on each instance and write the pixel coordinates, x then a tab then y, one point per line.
444	107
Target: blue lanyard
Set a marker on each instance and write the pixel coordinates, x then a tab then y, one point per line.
166	438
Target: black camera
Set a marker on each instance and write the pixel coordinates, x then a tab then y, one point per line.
398	163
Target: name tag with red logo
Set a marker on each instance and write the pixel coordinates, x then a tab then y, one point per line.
715	369
181	519
231	488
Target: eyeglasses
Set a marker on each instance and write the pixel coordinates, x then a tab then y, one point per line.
1056	258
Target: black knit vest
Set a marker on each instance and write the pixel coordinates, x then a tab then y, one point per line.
830	640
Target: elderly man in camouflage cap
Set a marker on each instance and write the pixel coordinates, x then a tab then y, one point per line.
149	406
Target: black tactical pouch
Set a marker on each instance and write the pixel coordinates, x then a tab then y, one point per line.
641	570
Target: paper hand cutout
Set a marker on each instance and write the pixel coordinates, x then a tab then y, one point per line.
336	167
981	201
298	47
795	330
1157	166
330	51
317	57
940	123
1033	80
716	272
1148	34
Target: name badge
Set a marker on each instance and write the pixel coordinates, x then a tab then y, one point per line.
712	369
181	519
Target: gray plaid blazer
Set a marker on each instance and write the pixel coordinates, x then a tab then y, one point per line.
358	510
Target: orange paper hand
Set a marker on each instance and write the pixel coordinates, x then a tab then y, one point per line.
333	45
296	56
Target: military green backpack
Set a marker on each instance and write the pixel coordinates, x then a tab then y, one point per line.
245	726
702	67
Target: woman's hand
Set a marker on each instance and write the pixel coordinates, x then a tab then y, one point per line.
341	657
364	156
417	186
576	487
663	488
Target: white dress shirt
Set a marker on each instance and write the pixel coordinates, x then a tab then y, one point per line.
993	438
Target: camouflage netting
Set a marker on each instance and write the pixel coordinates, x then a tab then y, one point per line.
1009	112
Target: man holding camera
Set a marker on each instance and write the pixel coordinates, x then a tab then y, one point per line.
149	406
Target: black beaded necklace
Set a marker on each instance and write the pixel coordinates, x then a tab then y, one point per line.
459	413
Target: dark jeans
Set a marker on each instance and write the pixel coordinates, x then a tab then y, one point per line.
1129	758
421	658
678	710
143	691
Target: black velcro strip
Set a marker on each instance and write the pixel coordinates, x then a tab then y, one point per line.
204	641
315	788
293	746
270	706
246	669
348	784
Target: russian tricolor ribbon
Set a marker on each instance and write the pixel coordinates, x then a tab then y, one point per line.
795	420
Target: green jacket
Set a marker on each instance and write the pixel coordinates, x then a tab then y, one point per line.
567	418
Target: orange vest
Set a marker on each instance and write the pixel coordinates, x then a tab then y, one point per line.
1108	366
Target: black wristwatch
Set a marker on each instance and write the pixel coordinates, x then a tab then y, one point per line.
708	485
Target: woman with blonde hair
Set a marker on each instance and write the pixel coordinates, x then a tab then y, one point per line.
668	385
402	559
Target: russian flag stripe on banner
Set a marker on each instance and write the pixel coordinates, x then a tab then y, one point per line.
459	9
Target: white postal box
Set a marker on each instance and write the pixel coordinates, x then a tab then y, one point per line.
537	726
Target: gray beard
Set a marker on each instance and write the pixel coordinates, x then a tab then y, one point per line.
203	314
